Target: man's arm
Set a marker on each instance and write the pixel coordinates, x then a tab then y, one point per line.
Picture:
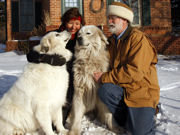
140	57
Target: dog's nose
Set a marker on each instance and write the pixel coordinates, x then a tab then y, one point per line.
80	40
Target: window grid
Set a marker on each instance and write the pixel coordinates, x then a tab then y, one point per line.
67	4
71	3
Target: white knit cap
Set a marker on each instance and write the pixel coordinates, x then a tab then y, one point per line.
121	10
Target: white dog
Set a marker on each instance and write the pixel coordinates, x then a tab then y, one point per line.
35	100
91	56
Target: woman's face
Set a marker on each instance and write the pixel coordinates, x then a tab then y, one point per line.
73	26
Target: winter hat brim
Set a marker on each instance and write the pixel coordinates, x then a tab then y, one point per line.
121	10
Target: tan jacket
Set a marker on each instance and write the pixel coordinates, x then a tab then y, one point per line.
132	66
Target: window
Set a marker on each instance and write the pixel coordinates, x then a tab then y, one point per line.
26	14
135	5
27	20
67	4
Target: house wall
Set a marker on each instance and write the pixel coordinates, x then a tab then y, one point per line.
161	22
55	11
9	21
160	30
90	17
98	18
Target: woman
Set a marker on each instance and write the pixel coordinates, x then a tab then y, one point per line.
72	22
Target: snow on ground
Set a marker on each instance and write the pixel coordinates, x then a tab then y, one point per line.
168	67
168	122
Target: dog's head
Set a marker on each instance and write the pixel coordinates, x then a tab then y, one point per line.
90	36
54	43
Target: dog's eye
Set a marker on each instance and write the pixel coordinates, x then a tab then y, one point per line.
57	35
88	33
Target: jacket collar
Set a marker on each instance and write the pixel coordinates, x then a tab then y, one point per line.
125	34
123	37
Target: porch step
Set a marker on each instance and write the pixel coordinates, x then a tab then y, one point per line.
21	45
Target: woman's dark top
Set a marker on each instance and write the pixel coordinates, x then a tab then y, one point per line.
70	46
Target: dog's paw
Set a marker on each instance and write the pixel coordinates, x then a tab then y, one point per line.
18	132
67	125
118	130
74	132
63	132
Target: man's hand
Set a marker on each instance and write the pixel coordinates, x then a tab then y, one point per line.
97	76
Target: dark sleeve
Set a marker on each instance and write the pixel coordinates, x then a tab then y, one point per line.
33	56
55	60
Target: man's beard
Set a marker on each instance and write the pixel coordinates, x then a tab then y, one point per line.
115	28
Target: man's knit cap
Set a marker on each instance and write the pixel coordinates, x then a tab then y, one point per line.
121	10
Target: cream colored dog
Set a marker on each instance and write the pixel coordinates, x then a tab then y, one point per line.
91	56
35	100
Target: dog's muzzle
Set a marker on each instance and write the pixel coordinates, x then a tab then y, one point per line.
80	40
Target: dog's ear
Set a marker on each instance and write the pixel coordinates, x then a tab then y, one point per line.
45	47
103	37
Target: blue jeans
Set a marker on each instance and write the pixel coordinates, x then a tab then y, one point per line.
137	121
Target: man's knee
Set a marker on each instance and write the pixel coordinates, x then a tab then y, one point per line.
109	91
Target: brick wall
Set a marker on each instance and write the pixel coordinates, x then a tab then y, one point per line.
90	17
55	11
160	29
11	45
9	25
161	22
21	45
168	44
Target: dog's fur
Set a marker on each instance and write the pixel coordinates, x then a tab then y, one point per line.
35	100
91	56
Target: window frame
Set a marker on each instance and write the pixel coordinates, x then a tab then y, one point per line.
80	7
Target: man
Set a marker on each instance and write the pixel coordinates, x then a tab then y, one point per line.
130	89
